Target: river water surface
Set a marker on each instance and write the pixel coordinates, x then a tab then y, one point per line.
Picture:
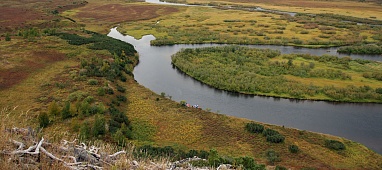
358	122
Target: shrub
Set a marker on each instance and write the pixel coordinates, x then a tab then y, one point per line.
99	127
121	98
270	132
276	138
213	158
254	127
43	119
272	156
7	37
85	131
110	91
335	145
248	163
92	82
101	91
151	151
65	113
280	168
293	148
89	99
121	89
378	90
119	138
53	109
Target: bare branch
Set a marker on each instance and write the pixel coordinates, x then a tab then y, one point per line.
116	154
37	151
20	144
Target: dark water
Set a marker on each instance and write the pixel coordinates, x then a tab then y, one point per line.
359	122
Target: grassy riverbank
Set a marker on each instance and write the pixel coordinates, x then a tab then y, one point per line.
77	83
235	26
267	72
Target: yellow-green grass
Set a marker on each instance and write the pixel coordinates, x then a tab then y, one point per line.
342	7
161	122
193	128
357	78
192	21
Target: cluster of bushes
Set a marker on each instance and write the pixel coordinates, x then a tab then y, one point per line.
271	135
374	75
361	49
255	71
213	159
99	121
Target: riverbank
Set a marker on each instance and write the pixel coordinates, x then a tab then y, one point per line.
88	92
267	72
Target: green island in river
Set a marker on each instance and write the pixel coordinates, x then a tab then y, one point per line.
267	72
63	79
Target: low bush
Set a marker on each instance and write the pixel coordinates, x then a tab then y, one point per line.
293	148
254	127
335	145
92	81
276	138
270	132
378	90
272	156
43	119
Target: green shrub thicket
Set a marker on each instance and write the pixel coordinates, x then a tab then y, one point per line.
267	72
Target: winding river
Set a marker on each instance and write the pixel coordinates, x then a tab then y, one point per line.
359	122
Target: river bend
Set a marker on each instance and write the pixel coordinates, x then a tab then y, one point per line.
360	122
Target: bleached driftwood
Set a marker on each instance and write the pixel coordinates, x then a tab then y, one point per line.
74	156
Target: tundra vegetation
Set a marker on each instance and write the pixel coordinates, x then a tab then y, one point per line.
267	72
239	25
62	77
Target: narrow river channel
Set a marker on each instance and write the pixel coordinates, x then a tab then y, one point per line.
358	122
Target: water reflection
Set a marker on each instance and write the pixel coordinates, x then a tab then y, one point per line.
358	122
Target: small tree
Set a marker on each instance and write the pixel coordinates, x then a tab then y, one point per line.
53	109
7	37
85	131
119	138
65	113
43	119
99	126
213	158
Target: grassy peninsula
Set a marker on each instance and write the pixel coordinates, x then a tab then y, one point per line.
62	77
267	72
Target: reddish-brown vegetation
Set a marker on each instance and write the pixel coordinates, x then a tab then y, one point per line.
13	18
37	60
18	14
117	13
